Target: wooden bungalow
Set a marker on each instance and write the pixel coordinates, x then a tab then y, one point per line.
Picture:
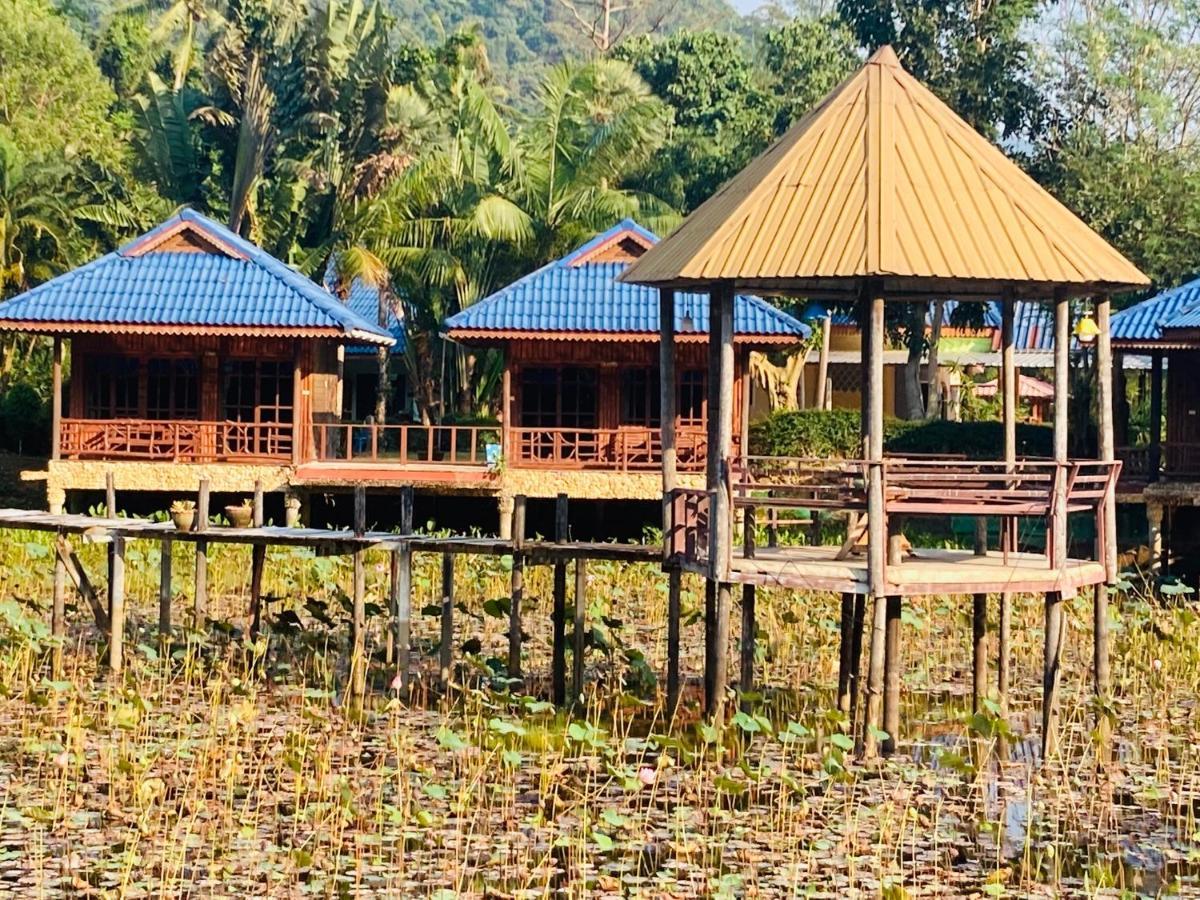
1162	466
582	410
883	194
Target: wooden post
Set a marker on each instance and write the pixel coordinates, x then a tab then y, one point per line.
518	589
892	653
674	585
446	649
1106	405
1051	656
1156	414
749	631
745	401
506	412
110	495
164	590
1062	388
1009	379
579	634
116	605
667	388
872	425
258	561
58	612
823	363
979	627
402	593
845	639
200	608
710	621
358	634
558	674
856	645
56	385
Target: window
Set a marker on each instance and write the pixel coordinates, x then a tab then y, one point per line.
112	391
558	398
578	398
641	403
172	389
258	393
692	399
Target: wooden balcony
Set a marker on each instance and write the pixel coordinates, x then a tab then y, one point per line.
1177	461
406	445
176	441
913	488
624	449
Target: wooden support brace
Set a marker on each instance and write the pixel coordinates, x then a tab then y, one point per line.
78	575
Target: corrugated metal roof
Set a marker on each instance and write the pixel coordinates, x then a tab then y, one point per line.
1029	387
565	296
1145	321
224	281
883	180
1033	322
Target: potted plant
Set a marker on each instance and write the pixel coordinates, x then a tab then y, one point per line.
183	514
239	514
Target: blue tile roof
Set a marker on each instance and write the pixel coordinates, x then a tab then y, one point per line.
364	301
574	295
237	285
1177	308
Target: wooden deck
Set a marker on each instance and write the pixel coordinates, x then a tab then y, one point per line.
922	572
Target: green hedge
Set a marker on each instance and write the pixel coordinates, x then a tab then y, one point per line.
836	434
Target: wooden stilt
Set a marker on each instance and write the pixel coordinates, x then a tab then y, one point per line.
165	592
710	665
447	642
110	510
873	720
749	630
721	640
402	596
58	612
1051	657
1003	651
1100	666
856	646
358	634
558	665
579	630
258	562
979	679
116	606
674	586
518	589
891	694
846	638
1107	407
200	605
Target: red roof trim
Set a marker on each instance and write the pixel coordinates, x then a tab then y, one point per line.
67	328
509	334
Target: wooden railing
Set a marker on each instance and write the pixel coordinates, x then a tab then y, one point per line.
1177	460
911	487
460	445
624	449
178	441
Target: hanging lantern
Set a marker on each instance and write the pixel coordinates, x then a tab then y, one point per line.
1086	331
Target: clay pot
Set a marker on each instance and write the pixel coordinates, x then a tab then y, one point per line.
184	519
239	516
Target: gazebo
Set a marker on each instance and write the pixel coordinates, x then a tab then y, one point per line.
882	194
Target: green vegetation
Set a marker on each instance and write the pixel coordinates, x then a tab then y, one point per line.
219	766
835	434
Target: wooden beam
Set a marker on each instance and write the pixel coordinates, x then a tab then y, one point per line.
517	593
56	390
823	364
446	646
1062	391
667	386
200	607
1156	414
